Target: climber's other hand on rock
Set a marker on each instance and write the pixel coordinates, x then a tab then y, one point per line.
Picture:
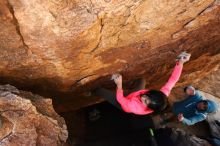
118	80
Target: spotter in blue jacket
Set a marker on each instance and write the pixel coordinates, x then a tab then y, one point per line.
190	108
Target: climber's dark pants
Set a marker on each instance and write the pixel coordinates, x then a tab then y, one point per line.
110	96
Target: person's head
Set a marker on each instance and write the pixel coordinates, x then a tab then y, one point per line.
189	90
207	106
155	100
202	105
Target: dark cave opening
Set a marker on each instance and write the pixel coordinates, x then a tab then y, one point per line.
103	124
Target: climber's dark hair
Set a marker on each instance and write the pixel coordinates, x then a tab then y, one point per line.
158	100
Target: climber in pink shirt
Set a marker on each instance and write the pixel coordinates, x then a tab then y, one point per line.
142	101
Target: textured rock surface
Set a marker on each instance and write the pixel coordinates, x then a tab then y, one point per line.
29	120
211	84
56	47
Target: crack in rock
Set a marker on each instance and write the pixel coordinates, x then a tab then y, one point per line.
200	13
100	38
6	137
192	19
82	80
15	22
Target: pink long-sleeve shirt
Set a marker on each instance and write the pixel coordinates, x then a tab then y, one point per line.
133	104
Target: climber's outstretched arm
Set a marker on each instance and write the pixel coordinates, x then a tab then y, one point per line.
175	74
120	94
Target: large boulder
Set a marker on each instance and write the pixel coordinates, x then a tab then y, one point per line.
29	120
55	48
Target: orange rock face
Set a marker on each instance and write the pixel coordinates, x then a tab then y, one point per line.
29	120
211	83
57	48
